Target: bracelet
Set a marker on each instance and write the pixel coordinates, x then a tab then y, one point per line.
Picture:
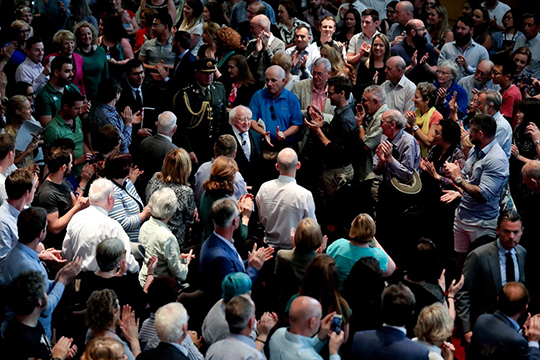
450	297
259	340
80	187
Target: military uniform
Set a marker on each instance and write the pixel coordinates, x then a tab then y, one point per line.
201	118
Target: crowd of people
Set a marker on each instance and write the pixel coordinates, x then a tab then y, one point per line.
299	180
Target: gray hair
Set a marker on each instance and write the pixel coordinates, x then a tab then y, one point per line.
279	69
377	92
169	322
223	212
232	113
238	312
166	122
163	204
109	252
396	117
262	20
493	97
399	61
449	65
323	61
100	190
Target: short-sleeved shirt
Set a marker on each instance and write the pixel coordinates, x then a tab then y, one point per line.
154	52
399	96
498	12
53	197
58	128
48	100
286	111
356	43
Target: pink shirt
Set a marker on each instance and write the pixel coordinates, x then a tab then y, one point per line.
318	98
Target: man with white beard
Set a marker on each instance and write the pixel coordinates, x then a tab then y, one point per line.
480	80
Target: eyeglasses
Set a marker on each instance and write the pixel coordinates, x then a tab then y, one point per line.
496	73
272	110
364	100
243	119
480	72
330	93
443	72
390	11
32	94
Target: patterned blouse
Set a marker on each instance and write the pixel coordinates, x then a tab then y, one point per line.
186	206
127	206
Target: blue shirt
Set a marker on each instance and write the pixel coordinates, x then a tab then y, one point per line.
286	112
106	114
488	168
503	135
234	347
9	234
461	99
474	53
287	346
502	262
239	13
22	259
534	46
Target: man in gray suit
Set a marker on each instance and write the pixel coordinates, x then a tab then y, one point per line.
154	149
487	269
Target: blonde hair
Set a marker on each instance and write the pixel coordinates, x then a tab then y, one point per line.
211	28
62	35
86	24
176	167
362	229
19	24
333	55
284	60
103	348
308	236
434	324
15	103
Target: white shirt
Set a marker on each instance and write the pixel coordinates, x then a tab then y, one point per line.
356	43
32	73
399	97
344	7
498	12
3	194
282	204
86	230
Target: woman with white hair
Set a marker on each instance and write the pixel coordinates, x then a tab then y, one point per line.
158	240
447	88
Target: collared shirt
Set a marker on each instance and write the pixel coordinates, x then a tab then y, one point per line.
31	73
154	52
318	98
237	347
534	46
356	43
203	173
474	53
3	194
342	133
395	30
461	99
399	97
134	92
503	135
502	262
22	259
346	6
241	139
58	128
9	234
288	36
86	230
419	73
106	114
48	100
400	328
372	126
285	345
231	246
488	168
379	5
282	204
468	84
312	52
286	111
406	154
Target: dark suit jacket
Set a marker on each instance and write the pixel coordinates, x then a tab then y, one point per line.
218	260
386	344
152	152
482	273
183	74
163	351
250	170
494	337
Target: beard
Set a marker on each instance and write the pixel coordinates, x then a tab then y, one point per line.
419	41
462	40
477	83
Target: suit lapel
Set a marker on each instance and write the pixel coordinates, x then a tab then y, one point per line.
520	255
495	265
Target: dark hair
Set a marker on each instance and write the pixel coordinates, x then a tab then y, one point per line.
162	291
485	123
451	132
300	27
64	143
106	139
58	62
100	309
467	20
530	108
515	303
20	88
371	12
216	13
340	84
357	18
113	28
508	215
225	145
183	38
485	13
165	18
244	73
132	64
397	304
25	292
57	158
534	16
509	67
118	166
7	144
31	41
18	183
290	7
425	262
516	19
30	223
69	98
108	89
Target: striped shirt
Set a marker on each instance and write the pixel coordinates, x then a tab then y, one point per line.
127	206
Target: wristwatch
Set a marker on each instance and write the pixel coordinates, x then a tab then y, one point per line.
415	127
458	180
537	142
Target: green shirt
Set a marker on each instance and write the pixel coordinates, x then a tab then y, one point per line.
58	128
48	100
95	69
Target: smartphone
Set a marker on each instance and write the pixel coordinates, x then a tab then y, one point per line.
336	324
108	56
527	80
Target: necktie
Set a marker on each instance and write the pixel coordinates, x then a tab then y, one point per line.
510	275
138	99
245	145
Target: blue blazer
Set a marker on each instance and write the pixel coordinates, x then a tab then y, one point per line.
386	344
218	260
495	337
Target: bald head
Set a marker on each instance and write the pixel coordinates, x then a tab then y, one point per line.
404	12
276	72
305	315
262	21
531	175
397	61
287	162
